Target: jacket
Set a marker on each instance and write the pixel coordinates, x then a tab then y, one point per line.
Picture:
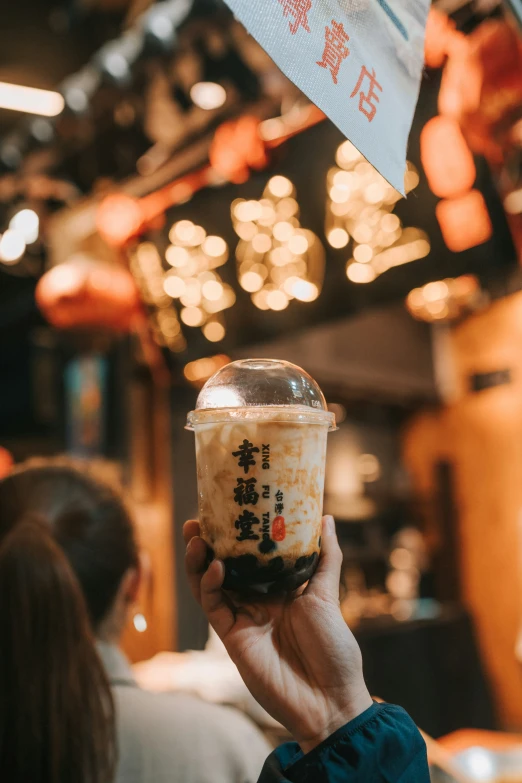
382	745
176	737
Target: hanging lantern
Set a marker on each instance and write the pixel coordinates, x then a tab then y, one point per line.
464	221
6	462
118	218
461	85
441	38
84	293
482	86
446	158
236	148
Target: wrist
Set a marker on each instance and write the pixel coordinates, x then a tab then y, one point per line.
341	713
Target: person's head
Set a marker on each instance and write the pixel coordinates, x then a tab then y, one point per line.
68	570
90	523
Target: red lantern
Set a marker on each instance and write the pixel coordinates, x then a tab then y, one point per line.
446	158
441	38
6	462
464	221
238	147
84	293
461	84
119	218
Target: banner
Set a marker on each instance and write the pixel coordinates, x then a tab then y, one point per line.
359	61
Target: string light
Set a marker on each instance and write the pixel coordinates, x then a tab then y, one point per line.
215	247
177	256
445	300
192	316
360	273
277	300
174	286
193	257
27	224
251	282
277	260
338	237
280	187
154	286
208	95
360	205
304	290
212	290
214	331
201	370
12	246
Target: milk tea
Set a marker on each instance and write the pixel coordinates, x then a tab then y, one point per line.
260	486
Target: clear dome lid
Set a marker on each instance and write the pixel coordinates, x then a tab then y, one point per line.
255	388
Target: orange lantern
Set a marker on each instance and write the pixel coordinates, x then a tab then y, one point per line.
446	158
6	462
462	79
238	147
441	38
84	293
119	217
464	221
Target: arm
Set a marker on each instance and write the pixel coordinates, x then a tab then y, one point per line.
301	662
382	745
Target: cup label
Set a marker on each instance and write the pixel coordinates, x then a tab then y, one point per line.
250	527
278	529
246	453
260	487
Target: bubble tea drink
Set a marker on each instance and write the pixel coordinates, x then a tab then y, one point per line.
261	427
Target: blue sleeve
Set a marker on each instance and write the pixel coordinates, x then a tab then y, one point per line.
382	745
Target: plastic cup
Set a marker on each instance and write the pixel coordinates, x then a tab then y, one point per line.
261	427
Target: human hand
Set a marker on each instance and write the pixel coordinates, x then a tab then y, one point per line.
295	653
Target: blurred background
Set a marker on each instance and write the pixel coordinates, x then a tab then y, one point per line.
169	202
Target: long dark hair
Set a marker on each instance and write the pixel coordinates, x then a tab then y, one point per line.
65	542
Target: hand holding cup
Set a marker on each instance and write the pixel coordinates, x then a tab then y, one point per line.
295	652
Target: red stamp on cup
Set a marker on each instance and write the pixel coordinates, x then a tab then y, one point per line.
278	529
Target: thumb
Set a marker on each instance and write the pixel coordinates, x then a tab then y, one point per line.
325	582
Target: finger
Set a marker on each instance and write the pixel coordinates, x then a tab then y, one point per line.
195	565
190	529
215	604
325	581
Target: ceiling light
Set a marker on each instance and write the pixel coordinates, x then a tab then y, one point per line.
30	100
